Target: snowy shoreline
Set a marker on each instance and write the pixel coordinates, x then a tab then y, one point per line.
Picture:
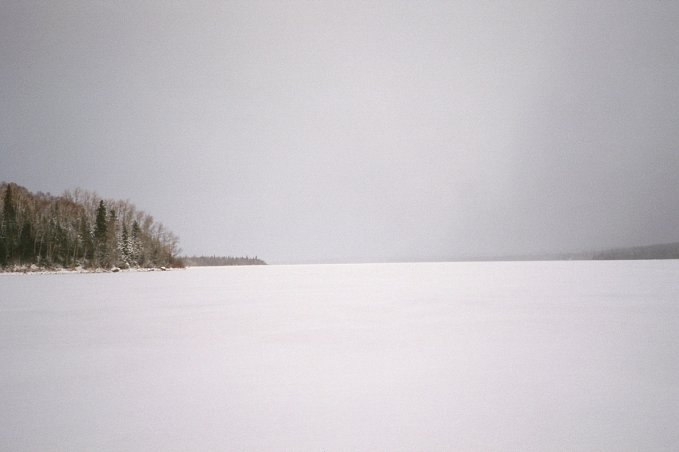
35	270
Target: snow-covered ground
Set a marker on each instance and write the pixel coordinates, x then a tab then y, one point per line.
457	356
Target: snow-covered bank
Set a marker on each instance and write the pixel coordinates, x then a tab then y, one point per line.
35	270
459	356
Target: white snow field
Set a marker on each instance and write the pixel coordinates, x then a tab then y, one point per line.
391	357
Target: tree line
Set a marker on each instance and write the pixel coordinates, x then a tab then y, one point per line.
213	261
79	228
658	251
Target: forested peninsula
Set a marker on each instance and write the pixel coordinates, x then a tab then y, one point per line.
79	230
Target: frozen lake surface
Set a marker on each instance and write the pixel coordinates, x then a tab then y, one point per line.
402	357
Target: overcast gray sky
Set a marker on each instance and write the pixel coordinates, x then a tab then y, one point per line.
313	131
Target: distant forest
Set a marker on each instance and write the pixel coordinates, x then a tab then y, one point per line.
663	251
214	261
79	228
646	252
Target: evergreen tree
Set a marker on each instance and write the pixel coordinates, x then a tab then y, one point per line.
100	228
3	241
112	247
125	246
26	241
9	226
60	251
100	236
85	236
136	244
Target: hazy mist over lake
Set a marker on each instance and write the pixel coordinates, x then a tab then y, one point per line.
354	131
